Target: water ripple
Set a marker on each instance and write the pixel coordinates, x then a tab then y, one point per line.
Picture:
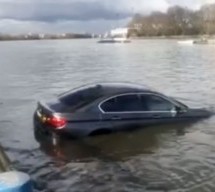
169	158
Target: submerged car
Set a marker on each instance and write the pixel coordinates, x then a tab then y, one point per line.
110	107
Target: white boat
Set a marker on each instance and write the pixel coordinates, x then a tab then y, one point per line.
119	35
201	41
186	42
114	40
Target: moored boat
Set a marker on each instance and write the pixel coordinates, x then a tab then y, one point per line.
186	42
119	35
201	41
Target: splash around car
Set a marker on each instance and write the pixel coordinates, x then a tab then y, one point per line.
103	108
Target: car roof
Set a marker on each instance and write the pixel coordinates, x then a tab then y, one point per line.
108	88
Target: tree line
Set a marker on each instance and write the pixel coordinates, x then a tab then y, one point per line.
176	21
8	37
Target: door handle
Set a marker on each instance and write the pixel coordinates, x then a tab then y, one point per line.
156	116
116	118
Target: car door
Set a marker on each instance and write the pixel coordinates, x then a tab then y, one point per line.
124	111
157	109
132	110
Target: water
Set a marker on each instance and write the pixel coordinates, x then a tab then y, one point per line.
173	158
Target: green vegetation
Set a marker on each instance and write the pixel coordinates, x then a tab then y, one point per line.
176	21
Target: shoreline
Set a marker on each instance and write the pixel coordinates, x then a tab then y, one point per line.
181	37
4	40
173	37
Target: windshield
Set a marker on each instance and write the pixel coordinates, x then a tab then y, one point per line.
180	104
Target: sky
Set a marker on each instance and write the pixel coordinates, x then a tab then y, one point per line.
94	16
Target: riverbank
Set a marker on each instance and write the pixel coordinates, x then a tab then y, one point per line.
181	37
175	37
4	161
18	37
10	179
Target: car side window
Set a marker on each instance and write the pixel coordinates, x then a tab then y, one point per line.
124	103
155	103
109	105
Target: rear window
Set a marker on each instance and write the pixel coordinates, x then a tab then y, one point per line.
78	98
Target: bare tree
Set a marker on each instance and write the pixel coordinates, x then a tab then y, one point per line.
177	21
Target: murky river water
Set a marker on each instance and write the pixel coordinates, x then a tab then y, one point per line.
173	158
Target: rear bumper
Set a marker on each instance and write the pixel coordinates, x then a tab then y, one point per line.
40	128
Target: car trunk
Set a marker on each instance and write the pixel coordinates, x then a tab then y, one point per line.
67	112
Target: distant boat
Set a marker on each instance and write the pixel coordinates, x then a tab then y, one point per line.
119	35
201	41
186	42
114	40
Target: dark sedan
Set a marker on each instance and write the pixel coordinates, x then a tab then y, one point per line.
110	107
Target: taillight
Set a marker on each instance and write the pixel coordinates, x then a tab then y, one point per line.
57	122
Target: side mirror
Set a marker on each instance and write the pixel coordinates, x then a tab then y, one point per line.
180	110
177	110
